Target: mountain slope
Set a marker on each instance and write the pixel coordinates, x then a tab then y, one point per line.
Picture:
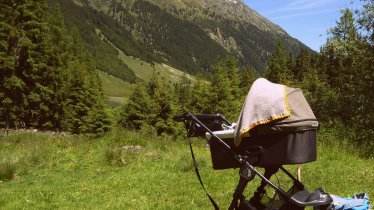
235	26
189	35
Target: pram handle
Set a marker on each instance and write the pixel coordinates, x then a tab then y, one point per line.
187	116
194	118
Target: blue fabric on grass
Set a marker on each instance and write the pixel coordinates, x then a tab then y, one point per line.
356	202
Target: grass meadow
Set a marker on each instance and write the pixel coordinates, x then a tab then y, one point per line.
54	171
116	91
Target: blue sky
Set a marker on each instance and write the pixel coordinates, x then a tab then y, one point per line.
305	20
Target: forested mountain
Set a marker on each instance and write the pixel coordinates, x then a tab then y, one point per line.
189	35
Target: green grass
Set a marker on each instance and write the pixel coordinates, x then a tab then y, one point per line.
115	90
144	70
75	172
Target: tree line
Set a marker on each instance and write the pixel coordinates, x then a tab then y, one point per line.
48	79
153	105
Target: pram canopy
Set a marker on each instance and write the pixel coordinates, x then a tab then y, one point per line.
301	118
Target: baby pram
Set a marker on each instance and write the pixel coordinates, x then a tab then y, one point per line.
287	141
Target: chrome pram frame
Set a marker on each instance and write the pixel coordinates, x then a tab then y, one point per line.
294	199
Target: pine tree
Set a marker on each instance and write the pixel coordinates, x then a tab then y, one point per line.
303	65
27	93
153	104
247	77
140	110
201	97
167	108
84	109
48	80
225	92
321	97
277	70
183	91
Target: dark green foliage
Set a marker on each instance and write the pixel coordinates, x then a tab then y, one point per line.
49	79
321	97
27	89
140	110
153	105
156	103
247	77
84	109
277	68
183	91
201	97
349	67
225	93
302	65
167	108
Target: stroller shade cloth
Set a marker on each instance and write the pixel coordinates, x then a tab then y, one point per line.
264	103
301	118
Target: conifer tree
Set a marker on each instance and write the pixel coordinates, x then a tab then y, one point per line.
302	65
153	104
27	92
140	110
321	97
225	92
183	91
165	100
201	97
247	77
48	80
84	97
277	69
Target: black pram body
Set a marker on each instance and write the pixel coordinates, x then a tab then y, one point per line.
287	141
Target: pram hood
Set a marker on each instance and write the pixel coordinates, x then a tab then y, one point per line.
272	108
301	118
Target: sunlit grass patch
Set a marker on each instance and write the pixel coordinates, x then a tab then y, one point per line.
78	172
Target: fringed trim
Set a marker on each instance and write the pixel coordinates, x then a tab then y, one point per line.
282	116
